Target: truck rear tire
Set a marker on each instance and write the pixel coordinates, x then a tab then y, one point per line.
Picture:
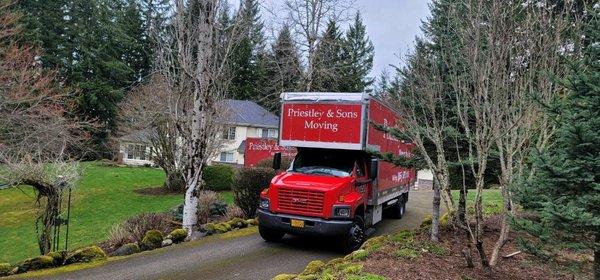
355	237
397	211
270	235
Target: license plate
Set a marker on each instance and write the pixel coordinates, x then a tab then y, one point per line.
297	223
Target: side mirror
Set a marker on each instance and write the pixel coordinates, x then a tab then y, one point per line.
277	161
374	170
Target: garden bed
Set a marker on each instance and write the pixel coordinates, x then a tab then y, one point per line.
411	255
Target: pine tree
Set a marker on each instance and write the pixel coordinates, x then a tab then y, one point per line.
248	52
564	191
100	50
357	58
283	70
329	60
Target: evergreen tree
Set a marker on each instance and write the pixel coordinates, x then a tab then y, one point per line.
564	191
245	60
99	48
358	58
329	60
283	70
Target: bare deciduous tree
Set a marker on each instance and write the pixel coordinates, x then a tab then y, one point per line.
36	130
508	53
309	18
193	67
423	105
151	113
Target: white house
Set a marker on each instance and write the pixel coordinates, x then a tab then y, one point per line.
134	149
245	119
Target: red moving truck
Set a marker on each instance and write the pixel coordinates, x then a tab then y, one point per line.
334	187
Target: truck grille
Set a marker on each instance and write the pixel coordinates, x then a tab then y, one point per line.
308	201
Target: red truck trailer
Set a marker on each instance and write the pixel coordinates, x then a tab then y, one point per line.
334	186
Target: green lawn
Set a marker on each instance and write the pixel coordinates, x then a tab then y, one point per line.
103	198
492	200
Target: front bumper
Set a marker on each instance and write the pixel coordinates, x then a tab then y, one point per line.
312	226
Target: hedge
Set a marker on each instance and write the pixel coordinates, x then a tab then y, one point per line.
218	177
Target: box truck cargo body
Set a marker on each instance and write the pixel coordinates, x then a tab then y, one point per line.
335	186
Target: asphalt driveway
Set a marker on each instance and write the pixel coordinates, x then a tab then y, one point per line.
244	256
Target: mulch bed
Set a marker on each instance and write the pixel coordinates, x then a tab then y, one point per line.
453	265
155	191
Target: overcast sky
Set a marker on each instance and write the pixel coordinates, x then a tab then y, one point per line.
392	26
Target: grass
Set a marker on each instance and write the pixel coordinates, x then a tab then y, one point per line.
103	198
492	200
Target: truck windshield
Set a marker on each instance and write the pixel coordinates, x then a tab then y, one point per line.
324	162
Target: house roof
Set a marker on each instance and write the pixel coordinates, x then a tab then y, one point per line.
241	112
141	136
246	112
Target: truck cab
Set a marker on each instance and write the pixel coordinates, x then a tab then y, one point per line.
334	186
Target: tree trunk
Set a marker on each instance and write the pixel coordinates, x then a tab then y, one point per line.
190	209
462	207
435	213
48	219
482	256
479	218
504	231
597	259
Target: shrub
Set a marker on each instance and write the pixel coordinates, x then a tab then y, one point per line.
403	236
133	229
284	277
237	223
209	228
314	267
152	240
178	235
87	254
248	185
177	213
58	257
435	248
5	269
36	263
268	163
426	223
374	243
210	205
408	253
353	269
127	249
359	255
218	177
234	212
222	227
252	222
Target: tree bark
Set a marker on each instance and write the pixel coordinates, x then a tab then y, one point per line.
435	213
597	259
190	209
504	231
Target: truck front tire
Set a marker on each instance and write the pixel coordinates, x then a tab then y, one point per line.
270	235
355	237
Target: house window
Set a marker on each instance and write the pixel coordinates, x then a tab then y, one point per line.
229	133
267	133
136	151
273	133
227	157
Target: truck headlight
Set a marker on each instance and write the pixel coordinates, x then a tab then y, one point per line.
341	211
264	203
